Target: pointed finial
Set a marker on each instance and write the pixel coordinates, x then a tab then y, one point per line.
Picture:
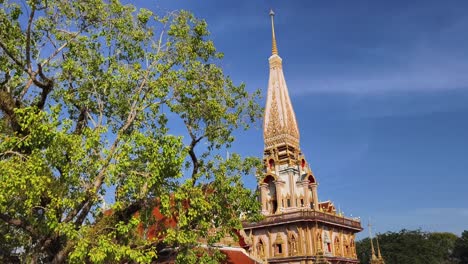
274	49
372	243
379	255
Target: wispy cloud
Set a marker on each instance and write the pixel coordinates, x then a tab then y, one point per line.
416	51
431	70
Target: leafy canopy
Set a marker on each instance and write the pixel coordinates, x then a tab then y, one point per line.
460	250
411	247
89	92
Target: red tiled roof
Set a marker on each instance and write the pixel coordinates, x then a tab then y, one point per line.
155	231
237	256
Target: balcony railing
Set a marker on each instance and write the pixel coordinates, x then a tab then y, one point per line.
307	215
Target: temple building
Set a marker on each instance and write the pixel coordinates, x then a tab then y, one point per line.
297	226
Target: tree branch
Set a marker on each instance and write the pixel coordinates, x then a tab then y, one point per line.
94	188
11	152
46	87
193	156
18	223
12	57
28	37
25	89
57	51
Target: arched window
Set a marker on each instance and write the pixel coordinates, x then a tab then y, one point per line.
271	164
278	245
311	179
260	248
327	241
292	245
347	253
311	191
337	246
273	206
320	241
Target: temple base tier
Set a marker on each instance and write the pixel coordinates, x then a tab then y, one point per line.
304	236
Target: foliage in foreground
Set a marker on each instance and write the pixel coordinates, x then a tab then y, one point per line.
89	93
417	247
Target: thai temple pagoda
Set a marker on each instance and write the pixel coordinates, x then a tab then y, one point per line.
375	259
297	227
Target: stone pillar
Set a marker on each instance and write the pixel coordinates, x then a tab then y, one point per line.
279	191
292	190
305	186
308	241
269	246
263	196
314	243
315	196
300	240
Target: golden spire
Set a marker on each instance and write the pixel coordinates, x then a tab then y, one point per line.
274	49
279	123
280	130
372	243
379	256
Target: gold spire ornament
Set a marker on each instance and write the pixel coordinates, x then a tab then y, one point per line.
375	259
280	130
379	255
274	49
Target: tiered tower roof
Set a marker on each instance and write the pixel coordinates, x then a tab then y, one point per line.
279	125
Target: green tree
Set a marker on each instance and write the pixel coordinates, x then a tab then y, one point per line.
410	247
443	244
460	251
89	95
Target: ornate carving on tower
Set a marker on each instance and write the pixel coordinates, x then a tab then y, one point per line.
273	127
292	244
280	127
292	128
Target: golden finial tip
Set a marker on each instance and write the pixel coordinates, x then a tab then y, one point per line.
274	49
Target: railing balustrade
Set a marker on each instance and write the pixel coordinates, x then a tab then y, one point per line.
307	215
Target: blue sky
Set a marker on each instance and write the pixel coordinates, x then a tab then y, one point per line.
380	91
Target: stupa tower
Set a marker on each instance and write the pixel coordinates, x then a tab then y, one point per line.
284	163
297	227
280	125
